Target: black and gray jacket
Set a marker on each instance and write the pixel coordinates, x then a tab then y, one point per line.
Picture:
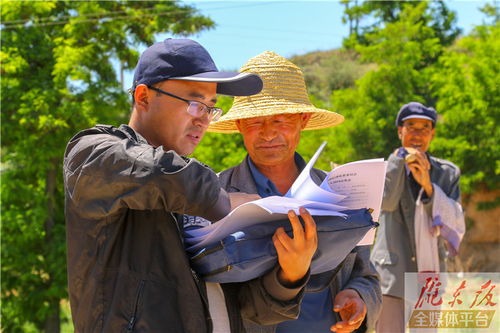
127	268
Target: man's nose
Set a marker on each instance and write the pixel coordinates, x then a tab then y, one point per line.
203	120
268	132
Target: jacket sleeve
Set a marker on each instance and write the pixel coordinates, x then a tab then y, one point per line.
365	280
453	192
105	173
266	301
394	183
447	212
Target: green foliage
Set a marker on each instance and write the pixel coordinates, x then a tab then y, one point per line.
402	50
460	81
311	140
487	205
466	84
371	16
58	77
492	11
330	70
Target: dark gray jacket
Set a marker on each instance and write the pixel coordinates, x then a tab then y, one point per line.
357	272
394	251
127	268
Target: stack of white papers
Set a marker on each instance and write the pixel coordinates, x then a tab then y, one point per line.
353	185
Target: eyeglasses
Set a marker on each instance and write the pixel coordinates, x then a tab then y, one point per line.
195	108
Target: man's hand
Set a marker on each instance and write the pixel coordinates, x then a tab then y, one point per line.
239	198
295	254
420	169
352	310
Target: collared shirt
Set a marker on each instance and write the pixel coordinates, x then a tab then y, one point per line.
316	314
265	187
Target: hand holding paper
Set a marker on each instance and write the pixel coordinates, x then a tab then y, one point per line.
353	185
295	254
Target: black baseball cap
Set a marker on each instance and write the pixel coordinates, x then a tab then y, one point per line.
185	59
416	110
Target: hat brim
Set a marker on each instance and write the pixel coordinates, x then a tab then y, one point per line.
320	118
228	83
414	116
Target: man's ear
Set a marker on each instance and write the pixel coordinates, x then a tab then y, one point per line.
141	97
305	119
400	132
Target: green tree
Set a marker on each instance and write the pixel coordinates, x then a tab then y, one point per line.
368	17
325	71
58	76
402	52
461	81
467	89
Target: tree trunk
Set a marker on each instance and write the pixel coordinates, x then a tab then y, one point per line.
53	320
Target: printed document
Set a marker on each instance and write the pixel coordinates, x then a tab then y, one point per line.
354	185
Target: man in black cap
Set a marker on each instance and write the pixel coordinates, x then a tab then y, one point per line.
126	186
417	186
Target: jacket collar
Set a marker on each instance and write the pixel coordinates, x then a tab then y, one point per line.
240	178
132	134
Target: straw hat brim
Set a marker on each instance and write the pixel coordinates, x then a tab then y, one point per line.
284	91
320	118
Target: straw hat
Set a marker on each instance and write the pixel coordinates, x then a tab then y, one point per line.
284	92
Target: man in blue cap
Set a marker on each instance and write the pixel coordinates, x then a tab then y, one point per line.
125	188
417	186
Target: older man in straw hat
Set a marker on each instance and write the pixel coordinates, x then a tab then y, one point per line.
270	123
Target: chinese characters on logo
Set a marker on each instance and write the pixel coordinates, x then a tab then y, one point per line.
447	301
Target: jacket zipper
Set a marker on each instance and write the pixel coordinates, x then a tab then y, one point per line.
131	322
196	281
205	300
206	252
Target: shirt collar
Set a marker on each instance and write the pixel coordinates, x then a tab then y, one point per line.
265	187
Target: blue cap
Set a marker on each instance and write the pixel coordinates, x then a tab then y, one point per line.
416	110
185	59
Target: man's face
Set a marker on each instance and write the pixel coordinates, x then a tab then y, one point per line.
272	140
167	120
416	133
